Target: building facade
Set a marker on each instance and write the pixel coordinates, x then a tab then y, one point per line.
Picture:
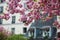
38	28
12	24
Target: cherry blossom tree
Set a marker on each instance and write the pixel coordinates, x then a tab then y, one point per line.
38	10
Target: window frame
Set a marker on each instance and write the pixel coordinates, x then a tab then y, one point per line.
24	29
1	1
1	21
13	19
58	34
13	30
1	9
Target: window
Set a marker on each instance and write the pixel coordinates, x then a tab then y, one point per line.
25	6
13	30
53	31
59	17
24	21
24	30
0	21
1	1
58	34
1	9
13	19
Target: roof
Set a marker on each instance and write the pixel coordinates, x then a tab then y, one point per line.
40	23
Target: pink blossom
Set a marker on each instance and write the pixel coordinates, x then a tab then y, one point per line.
29	14
12	11
29	6
4	31
23	18
55	23
6	16
30	20
58	26
18	0
1	29
20	5
49	7
22	12
16	10
0	17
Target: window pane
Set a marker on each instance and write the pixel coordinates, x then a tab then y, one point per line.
25	6
13	19
1	1
13	30
0	21
54	31
58	34
1	9
24	30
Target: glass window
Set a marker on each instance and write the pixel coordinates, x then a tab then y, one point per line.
59	18
1	9
25	6
53	31
1	1
24	30
58	34
13	30
13	19
0	21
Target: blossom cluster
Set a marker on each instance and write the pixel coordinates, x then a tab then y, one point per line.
5	16
39	9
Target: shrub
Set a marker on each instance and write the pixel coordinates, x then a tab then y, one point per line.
16	37
3	34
